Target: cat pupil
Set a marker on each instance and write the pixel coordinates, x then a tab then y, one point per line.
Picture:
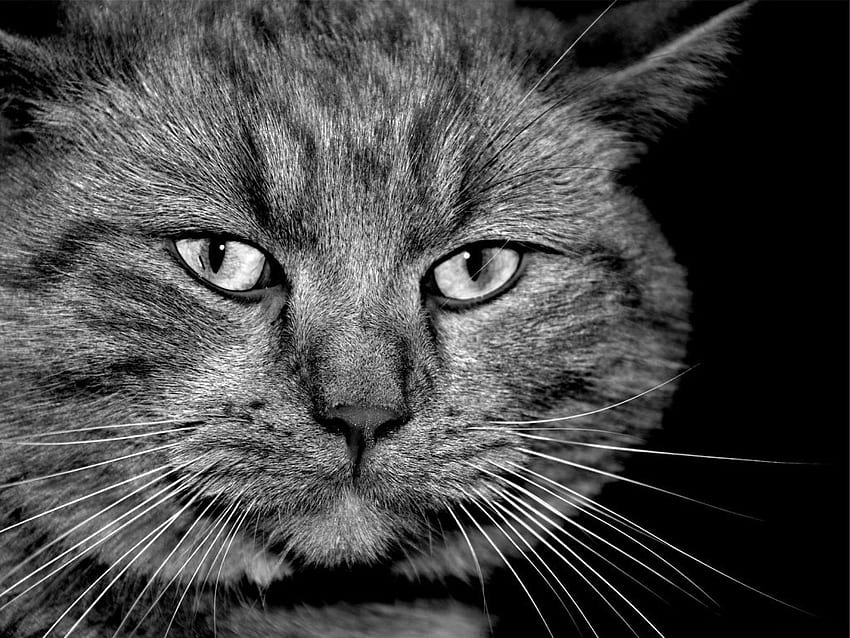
216	256
474	263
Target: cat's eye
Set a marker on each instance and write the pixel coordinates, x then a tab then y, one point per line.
226	264
475	273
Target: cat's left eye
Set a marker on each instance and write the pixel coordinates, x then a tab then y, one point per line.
225	264
476	273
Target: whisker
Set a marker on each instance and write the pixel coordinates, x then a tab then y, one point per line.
80	499
588	512
632	481
90	467
662	541
238	525
220	525
504	560
564	54
569	564
678	550
517	502
549	428
615	448
602	409
235	507
70	531
507	496
153	576
153	535
178	487
493	505
477	564
108	427
429	529
89	441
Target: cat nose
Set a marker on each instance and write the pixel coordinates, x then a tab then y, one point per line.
361	426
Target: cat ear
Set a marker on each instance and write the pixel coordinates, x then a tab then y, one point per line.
661	90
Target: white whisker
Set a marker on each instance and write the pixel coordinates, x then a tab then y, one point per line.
587	512
615	448
507	496
555	429
220	525
505	561
568	563
164	562
632	481
673	547
82	523
477	564
90	467
237	505
178	487
153	576
107	427
537	513
602	409
201	583
153	535
554	526
542	79
90	441
80	499
494	505
237	526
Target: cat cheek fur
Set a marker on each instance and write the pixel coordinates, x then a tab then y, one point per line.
356	185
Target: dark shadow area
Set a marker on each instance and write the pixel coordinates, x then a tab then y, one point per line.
754	196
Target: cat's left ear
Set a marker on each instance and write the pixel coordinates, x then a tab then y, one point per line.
661	90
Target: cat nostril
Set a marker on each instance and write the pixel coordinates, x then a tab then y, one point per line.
361	425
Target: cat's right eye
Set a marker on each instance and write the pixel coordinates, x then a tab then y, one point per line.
227	265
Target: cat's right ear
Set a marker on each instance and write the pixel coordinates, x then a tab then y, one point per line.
659	91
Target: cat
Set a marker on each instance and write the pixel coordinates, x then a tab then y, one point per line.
304	301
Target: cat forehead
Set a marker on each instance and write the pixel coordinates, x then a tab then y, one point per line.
379	168
372	125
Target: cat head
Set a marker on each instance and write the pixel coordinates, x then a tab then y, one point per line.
316	253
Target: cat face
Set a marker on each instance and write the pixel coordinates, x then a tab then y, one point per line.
298	266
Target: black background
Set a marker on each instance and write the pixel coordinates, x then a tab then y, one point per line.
754	196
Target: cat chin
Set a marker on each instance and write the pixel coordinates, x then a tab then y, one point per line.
349	531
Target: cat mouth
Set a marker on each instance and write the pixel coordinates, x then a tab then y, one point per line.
348	515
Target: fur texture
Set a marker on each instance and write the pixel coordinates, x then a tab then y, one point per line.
357	145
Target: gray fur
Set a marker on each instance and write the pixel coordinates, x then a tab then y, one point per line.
357	144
